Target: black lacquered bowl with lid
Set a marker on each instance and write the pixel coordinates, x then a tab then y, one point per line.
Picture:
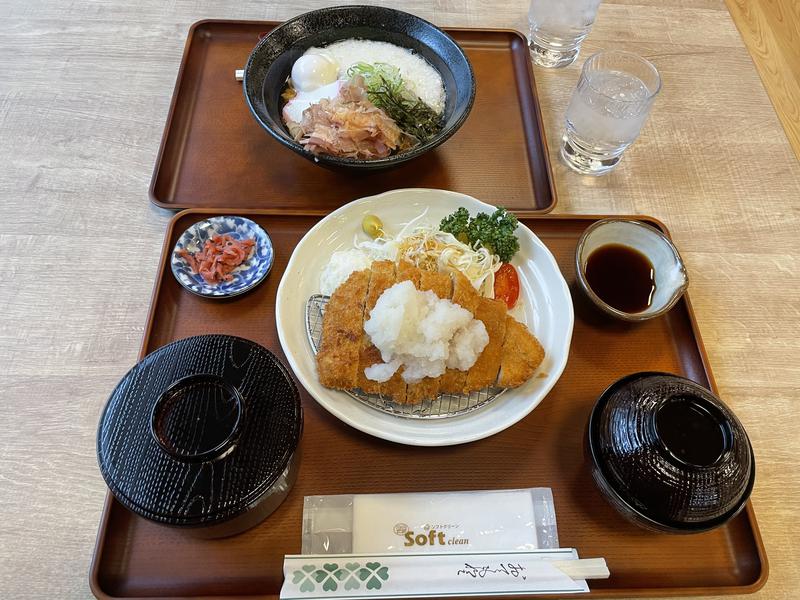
202	434
668	454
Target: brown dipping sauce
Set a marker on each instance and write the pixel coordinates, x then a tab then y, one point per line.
622	277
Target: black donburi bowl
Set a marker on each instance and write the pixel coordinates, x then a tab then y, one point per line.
668	454
271	61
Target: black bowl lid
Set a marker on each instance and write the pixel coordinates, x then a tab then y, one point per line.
643	435
199	430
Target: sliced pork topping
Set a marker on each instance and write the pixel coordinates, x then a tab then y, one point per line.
349	125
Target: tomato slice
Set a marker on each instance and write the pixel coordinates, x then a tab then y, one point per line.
506	285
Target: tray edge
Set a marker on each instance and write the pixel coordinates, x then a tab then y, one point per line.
151	189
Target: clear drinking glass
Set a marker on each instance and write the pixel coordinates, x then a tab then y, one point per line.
557	28
608	108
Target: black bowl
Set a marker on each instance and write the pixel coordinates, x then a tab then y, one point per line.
203	435
668	454
271	61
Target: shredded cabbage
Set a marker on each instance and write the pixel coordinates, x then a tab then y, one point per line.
430	249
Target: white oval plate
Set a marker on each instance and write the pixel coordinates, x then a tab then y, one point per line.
545	305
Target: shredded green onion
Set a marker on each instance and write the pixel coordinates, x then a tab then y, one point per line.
387	90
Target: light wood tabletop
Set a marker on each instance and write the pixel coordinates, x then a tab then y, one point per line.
84	93
771	30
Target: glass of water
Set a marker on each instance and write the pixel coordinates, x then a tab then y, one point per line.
557	28
608	109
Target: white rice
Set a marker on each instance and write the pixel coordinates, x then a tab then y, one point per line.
420	77
341	265
422	333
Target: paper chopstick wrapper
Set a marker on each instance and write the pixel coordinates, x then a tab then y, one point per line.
437	522
356	576
443	522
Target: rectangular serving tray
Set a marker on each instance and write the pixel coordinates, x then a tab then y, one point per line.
135	558
214	154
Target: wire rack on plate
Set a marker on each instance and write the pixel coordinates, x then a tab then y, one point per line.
445	405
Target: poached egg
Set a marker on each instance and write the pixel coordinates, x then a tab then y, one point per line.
314	78
312	71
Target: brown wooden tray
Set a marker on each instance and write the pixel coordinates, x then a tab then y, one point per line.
135	558
214	154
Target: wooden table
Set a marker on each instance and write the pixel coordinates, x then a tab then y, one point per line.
84	92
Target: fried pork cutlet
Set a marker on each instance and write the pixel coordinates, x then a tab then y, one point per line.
484	372
395	388
511	357
466	296
383	278
428	388
342	329
522	354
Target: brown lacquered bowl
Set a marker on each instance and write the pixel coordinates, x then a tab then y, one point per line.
668	454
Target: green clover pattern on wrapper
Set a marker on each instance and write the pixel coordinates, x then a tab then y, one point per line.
331	576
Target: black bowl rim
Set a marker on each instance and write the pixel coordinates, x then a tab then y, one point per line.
222	447
599	470
327	159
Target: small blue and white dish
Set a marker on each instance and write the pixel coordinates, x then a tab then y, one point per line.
248	275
